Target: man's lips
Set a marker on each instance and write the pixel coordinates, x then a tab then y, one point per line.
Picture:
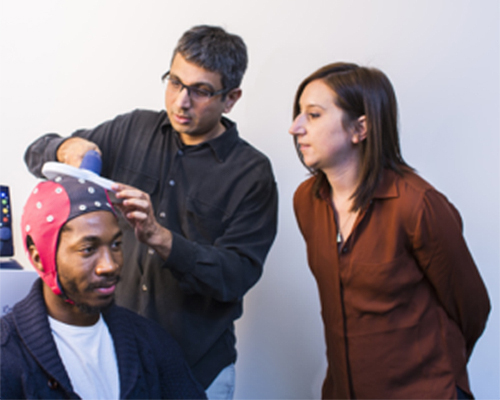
182	119
105	288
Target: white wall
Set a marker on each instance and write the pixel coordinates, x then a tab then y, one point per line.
71	64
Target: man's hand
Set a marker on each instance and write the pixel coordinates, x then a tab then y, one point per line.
137	209
72	150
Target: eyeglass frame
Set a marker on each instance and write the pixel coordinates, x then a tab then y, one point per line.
191	88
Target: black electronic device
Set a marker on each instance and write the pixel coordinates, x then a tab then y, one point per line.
15	282
6	247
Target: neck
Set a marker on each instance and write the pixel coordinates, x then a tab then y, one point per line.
70	314
344	181
193	140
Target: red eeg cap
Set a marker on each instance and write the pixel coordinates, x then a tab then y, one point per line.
51	205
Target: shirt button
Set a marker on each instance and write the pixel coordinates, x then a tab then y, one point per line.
151	251
180	153
171	182
163	215
345	250
52	383
144	288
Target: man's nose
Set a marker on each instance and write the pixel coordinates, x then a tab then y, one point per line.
183	99
107	264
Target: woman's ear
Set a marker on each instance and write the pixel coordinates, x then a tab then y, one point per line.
359	133
35	257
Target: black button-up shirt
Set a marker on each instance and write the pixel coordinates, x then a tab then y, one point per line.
218	198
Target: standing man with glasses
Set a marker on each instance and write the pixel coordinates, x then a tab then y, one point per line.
199	203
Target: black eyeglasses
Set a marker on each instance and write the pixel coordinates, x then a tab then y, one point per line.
195	92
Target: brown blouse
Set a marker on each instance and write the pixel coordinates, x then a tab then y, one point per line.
402	301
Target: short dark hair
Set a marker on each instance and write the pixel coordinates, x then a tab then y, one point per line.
362	91
216	50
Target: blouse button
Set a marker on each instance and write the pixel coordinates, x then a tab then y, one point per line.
345	250
171	182
144	288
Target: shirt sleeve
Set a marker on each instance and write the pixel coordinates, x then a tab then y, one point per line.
442	253
105	135
41	151
227	269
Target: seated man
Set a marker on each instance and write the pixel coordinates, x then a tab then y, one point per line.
67	339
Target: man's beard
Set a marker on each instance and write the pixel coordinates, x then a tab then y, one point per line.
91	310
71	287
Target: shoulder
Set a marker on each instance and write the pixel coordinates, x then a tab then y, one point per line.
245	154
11	365
238	150
411	183
148	114
418	198
416	190
307	206
12	357
304	194
143	116
27	317
251	150
127	124
7	330
247	165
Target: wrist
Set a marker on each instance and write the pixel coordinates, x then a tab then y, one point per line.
161	241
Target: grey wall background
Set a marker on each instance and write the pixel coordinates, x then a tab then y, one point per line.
71	64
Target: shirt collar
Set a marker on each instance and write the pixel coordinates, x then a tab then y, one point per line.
221	145
386	189
388	186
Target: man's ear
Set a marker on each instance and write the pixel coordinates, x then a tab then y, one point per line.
359	130
231	98
35	257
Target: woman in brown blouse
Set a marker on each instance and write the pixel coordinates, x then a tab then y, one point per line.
402	301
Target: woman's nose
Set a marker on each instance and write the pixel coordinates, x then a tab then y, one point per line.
297	127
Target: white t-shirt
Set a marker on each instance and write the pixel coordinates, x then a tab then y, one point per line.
88	354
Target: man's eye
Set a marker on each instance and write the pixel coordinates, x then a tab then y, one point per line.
87	250
117	245
175	83
200	92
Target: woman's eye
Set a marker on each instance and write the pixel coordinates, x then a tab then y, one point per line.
313	115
